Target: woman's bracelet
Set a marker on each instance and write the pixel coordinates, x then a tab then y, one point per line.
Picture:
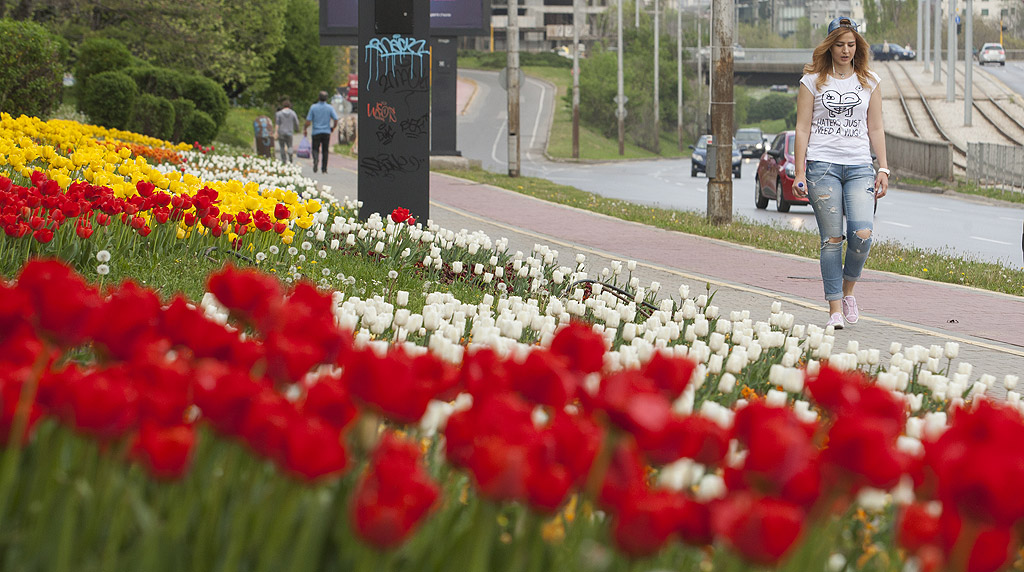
887	172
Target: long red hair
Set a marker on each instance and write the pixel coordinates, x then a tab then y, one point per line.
822	64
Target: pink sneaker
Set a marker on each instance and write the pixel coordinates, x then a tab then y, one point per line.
835	320
850	311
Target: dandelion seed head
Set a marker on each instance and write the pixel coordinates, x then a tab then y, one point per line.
103	269
103	256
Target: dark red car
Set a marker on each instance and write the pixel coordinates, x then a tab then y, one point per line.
775	172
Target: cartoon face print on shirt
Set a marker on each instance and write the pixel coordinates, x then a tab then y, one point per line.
840	103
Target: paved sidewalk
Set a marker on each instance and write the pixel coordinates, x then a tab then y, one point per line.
988	326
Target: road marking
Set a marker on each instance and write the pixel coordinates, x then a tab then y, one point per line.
940	210
540	109
494	148
741	287
1010	218
990	240
899	224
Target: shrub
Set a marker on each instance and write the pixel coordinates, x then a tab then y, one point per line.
183	111
97	55
208	97
108	98
163	82
771	106
152	115
31	69
200	127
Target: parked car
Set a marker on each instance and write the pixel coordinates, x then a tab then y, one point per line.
992	54
698	160
752	142
353	90
775	172
891	51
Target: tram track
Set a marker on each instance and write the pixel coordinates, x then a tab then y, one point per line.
959	150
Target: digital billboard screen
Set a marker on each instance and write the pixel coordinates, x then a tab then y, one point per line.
338	19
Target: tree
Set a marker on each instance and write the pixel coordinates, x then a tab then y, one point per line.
302	67
31	69
230	41
597	107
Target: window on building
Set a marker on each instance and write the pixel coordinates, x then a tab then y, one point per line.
984	11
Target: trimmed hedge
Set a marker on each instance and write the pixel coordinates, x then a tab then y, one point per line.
200	127
208	97
152	115
108	99
97	55
164	82
31	69
183	111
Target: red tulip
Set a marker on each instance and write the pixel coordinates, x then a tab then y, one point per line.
165	451
43	235
398	215
581	347
281	212
314	450
394	495
760	529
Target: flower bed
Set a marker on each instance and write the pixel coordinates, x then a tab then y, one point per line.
541	425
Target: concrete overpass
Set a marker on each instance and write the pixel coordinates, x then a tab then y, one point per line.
762	66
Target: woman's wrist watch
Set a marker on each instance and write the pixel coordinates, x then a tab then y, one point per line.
887	172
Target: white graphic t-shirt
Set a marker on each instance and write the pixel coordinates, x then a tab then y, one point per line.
839	125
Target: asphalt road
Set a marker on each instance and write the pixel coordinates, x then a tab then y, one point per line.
961	227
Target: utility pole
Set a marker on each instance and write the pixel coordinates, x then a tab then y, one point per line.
927	36
637	4
937	55
512	31
951	52
700	72
920	22
968	63
657	101
575	79
620	98
679	76
720	182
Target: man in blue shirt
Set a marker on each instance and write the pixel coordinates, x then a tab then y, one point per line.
323	118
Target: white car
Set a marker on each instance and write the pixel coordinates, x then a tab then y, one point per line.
992	54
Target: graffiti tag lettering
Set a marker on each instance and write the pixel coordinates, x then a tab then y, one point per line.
385	54
415	128
385	134
386	165
382	111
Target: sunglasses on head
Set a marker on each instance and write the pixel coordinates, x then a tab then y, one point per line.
842	22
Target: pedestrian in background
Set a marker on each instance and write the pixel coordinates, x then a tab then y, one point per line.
838	122
286	123
323	118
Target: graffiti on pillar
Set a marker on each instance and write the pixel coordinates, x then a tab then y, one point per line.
384	55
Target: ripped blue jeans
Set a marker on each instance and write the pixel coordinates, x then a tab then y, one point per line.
835	190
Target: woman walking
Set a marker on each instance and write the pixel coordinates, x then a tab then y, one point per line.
839	121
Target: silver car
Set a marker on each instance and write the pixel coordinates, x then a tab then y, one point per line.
992	54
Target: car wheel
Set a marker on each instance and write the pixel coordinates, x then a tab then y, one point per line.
737	173
760	201
1002	63
693	170
781	204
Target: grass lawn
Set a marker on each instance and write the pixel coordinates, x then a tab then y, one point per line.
885	255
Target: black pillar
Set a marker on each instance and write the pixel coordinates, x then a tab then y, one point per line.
394	107
444	84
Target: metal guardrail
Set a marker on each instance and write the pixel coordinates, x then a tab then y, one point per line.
998	166
920	158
